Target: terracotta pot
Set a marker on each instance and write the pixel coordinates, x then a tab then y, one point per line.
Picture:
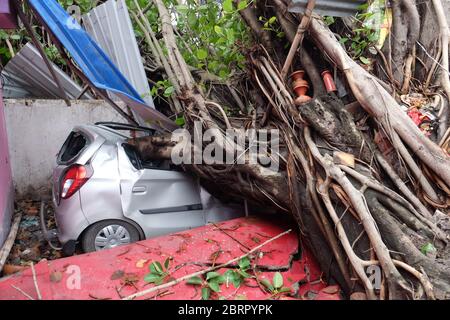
300	87
329	81
297	75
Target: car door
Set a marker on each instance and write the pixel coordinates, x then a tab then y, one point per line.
160	200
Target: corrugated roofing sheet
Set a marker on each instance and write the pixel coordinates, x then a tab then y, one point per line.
93	61
335	8
27	76
110	26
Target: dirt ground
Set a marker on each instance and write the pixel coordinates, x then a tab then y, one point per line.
30	244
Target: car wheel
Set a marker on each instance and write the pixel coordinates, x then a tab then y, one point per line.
108	234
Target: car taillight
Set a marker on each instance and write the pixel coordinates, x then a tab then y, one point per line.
74	178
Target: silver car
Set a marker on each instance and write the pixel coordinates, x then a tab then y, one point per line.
105	195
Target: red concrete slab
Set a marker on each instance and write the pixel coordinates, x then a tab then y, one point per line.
100	275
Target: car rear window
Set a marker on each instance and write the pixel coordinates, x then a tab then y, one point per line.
72	147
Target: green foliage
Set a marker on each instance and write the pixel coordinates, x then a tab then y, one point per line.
18	38
237	277
211	34
362	38
162	88
15	38
276	286
214	279
84	5
210	284
271	25
329	20
158	272
428	248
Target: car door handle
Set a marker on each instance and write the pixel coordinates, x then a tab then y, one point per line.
139	189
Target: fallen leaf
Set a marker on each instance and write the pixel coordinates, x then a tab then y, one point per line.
130	278
141	263
344	158
331	290
358	296
256	240
118	274
56	276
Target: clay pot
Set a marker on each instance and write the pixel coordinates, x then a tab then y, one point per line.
329	81
300	87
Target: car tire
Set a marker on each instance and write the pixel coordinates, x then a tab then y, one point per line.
89	237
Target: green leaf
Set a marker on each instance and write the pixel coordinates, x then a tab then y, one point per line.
284	289
244	274
218	30
212	275
152	278
343	40
428	248
242	4
156	267
277	280
182	8
206	293
364	60
266	283
194	281
228	6
180	121
202	54
169	91
244	263
214	286
167	263
272	20
223	73
15	37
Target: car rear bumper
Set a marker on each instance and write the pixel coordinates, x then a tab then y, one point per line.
70	219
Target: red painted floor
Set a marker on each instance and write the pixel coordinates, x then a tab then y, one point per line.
101	275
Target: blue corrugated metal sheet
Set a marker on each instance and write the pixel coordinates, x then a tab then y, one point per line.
335	8
109	24
92	60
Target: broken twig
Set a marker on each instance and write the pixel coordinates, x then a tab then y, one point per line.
38	292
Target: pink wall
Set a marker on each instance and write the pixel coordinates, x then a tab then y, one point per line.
6	194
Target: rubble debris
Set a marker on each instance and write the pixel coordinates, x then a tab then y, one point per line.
6	248
30	244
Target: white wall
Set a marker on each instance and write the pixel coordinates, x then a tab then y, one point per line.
6	190
36	131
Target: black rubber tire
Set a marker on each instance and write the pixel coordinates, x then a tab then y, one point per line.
88	237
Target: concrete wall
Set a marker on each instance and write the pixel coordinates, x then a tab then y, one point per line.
36	131
6	189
